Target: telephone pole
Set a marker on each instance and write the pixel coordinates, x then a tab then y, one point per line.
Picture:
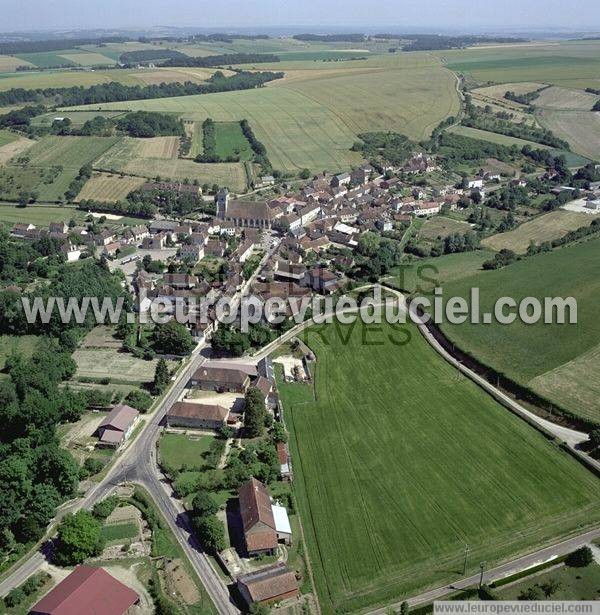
482	567
466	559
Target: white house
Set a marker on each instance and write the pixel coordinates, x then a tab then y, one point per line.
475	183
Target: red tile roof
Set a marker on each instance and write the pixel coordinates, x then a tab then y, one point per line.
205	412
87	591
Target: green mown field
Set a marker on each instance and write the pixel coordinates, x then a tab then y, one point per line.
178	450
39	215
554	359
231	141
400	461
52	164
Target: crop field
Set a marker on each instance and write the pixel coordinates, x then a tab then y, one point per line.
110	188
9	63
393	422
53	163
530	353
569	64
48	59
40	215
158	147
311	119
126	156
88	58
543	228
566	98
580	128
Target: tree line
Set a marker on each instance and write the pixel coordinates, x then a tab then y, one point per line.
117	92
226	59
17	47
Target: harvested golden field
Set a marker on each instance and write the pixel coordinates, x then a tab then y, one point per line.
168	75
566	98
14	148
543	228
158	147
498	91
110	188
575	384
9	63
580	128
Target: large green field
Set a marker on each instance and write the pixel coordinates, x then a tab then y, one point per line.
400	462
7	137
52	164
39	215
311	118
560	362
571	63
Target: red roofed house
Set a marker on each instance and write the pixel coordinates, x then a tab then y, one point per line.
87	591
258	522
272	584
117	426
199	416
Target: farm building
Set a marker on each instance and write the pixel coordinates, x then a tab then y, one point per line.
264	524
221	379
199	416
271	584
284	461
117	426
87	590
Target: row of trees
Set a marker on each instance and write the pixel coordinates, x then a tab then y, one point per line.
227	59
116	92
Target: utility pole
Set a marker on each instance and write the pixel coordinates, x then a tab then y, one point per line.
466	558
482	567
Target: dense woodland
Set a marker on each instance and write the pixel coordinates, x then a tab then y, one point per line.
227	59
17	47
386	147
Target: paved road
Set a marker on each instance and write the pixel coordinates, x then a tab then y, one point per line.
543	555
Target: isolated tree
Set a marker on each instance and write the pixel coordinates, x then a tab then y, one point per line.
78	539
173	338
595	438
404	609
210	532
161	376
531	593
550	587
580	558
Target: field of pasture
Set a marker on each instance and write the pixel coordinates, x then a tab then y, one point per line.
311	118
580	128
543	228
380	475
51	164
541	355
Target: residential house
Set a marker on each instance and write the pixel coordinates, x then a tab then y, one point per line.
197	416
221	379
192	253
322	281
343	179
181	280
116	427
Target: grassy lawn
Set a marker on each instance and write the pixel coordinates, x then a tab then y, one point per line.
401	461
561	362
178	450
39	215
440	226
231	141
575	584
423	275
119	532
